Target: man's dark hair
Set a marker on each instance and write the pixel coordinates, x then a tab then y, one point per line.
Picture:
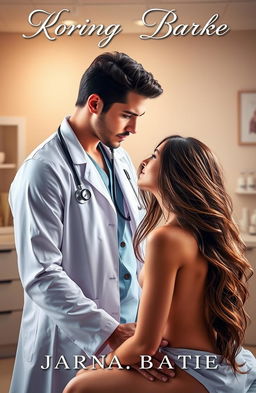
112	76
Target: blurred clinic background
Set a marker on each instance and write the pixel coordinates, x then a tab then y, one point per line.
209	93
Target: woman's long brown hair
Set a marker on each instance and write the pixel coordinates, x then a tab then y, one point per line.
191	186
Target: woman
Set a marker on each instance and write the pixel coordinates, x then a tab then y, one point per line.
194	281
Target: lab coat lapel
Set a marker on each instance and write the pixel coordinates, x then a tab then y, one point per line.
92	176
128	193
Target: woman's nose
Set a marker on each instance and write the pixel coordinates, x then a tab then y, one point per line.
142	166
144	163
146	160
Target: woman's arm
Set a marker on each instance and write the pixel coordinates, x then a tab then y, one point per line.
162	261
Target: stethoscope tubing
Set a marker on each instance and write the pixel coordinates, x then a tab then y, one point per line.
114	188
82	195
68	156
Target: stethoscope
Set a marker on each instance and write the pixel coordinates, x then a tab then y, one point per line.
82	194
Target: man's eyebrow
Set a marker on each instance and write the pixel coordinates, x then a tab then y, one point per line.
133	113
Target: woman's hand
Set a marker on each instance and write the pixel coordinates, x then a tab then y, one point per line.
154	372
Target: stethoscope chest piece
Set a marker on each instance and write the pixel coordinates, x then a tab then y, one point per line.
82	195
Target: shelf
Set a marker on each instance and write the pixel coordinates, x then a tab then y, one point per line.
6	238
6	230
250	240
7	166
245	192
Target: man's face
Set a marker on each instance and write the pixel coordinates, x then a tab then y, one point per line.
120	120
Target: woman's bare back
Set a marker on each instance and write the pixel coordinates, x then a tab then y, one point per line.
186	326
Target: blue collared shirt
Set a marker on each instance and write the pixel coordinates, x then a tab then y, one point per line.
128	283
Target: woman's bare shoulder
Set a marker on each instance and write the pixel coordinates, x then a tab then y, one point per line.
173	241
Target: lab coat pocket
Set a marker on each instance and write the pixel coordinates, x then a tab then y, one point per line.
29	335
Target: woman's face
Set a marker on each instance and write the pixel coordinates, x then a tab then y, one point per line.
149	171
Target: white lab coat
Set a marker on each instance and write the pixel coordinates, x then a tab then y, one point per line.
68	260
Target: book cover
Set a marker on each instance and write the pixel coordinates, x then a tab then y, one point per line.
203	56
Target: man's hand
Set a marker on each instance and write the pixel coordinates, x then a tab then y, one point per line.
121	334
154	373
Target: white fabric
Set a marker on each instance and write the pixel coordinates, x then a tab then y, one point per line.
221	379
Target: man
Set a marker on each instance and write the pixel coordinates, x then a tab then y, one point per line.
76	260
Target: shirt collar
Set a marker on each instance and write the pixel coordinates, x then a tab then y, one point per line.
75	148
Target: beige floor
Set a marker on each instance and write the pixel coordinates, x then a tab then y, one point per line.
6	366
